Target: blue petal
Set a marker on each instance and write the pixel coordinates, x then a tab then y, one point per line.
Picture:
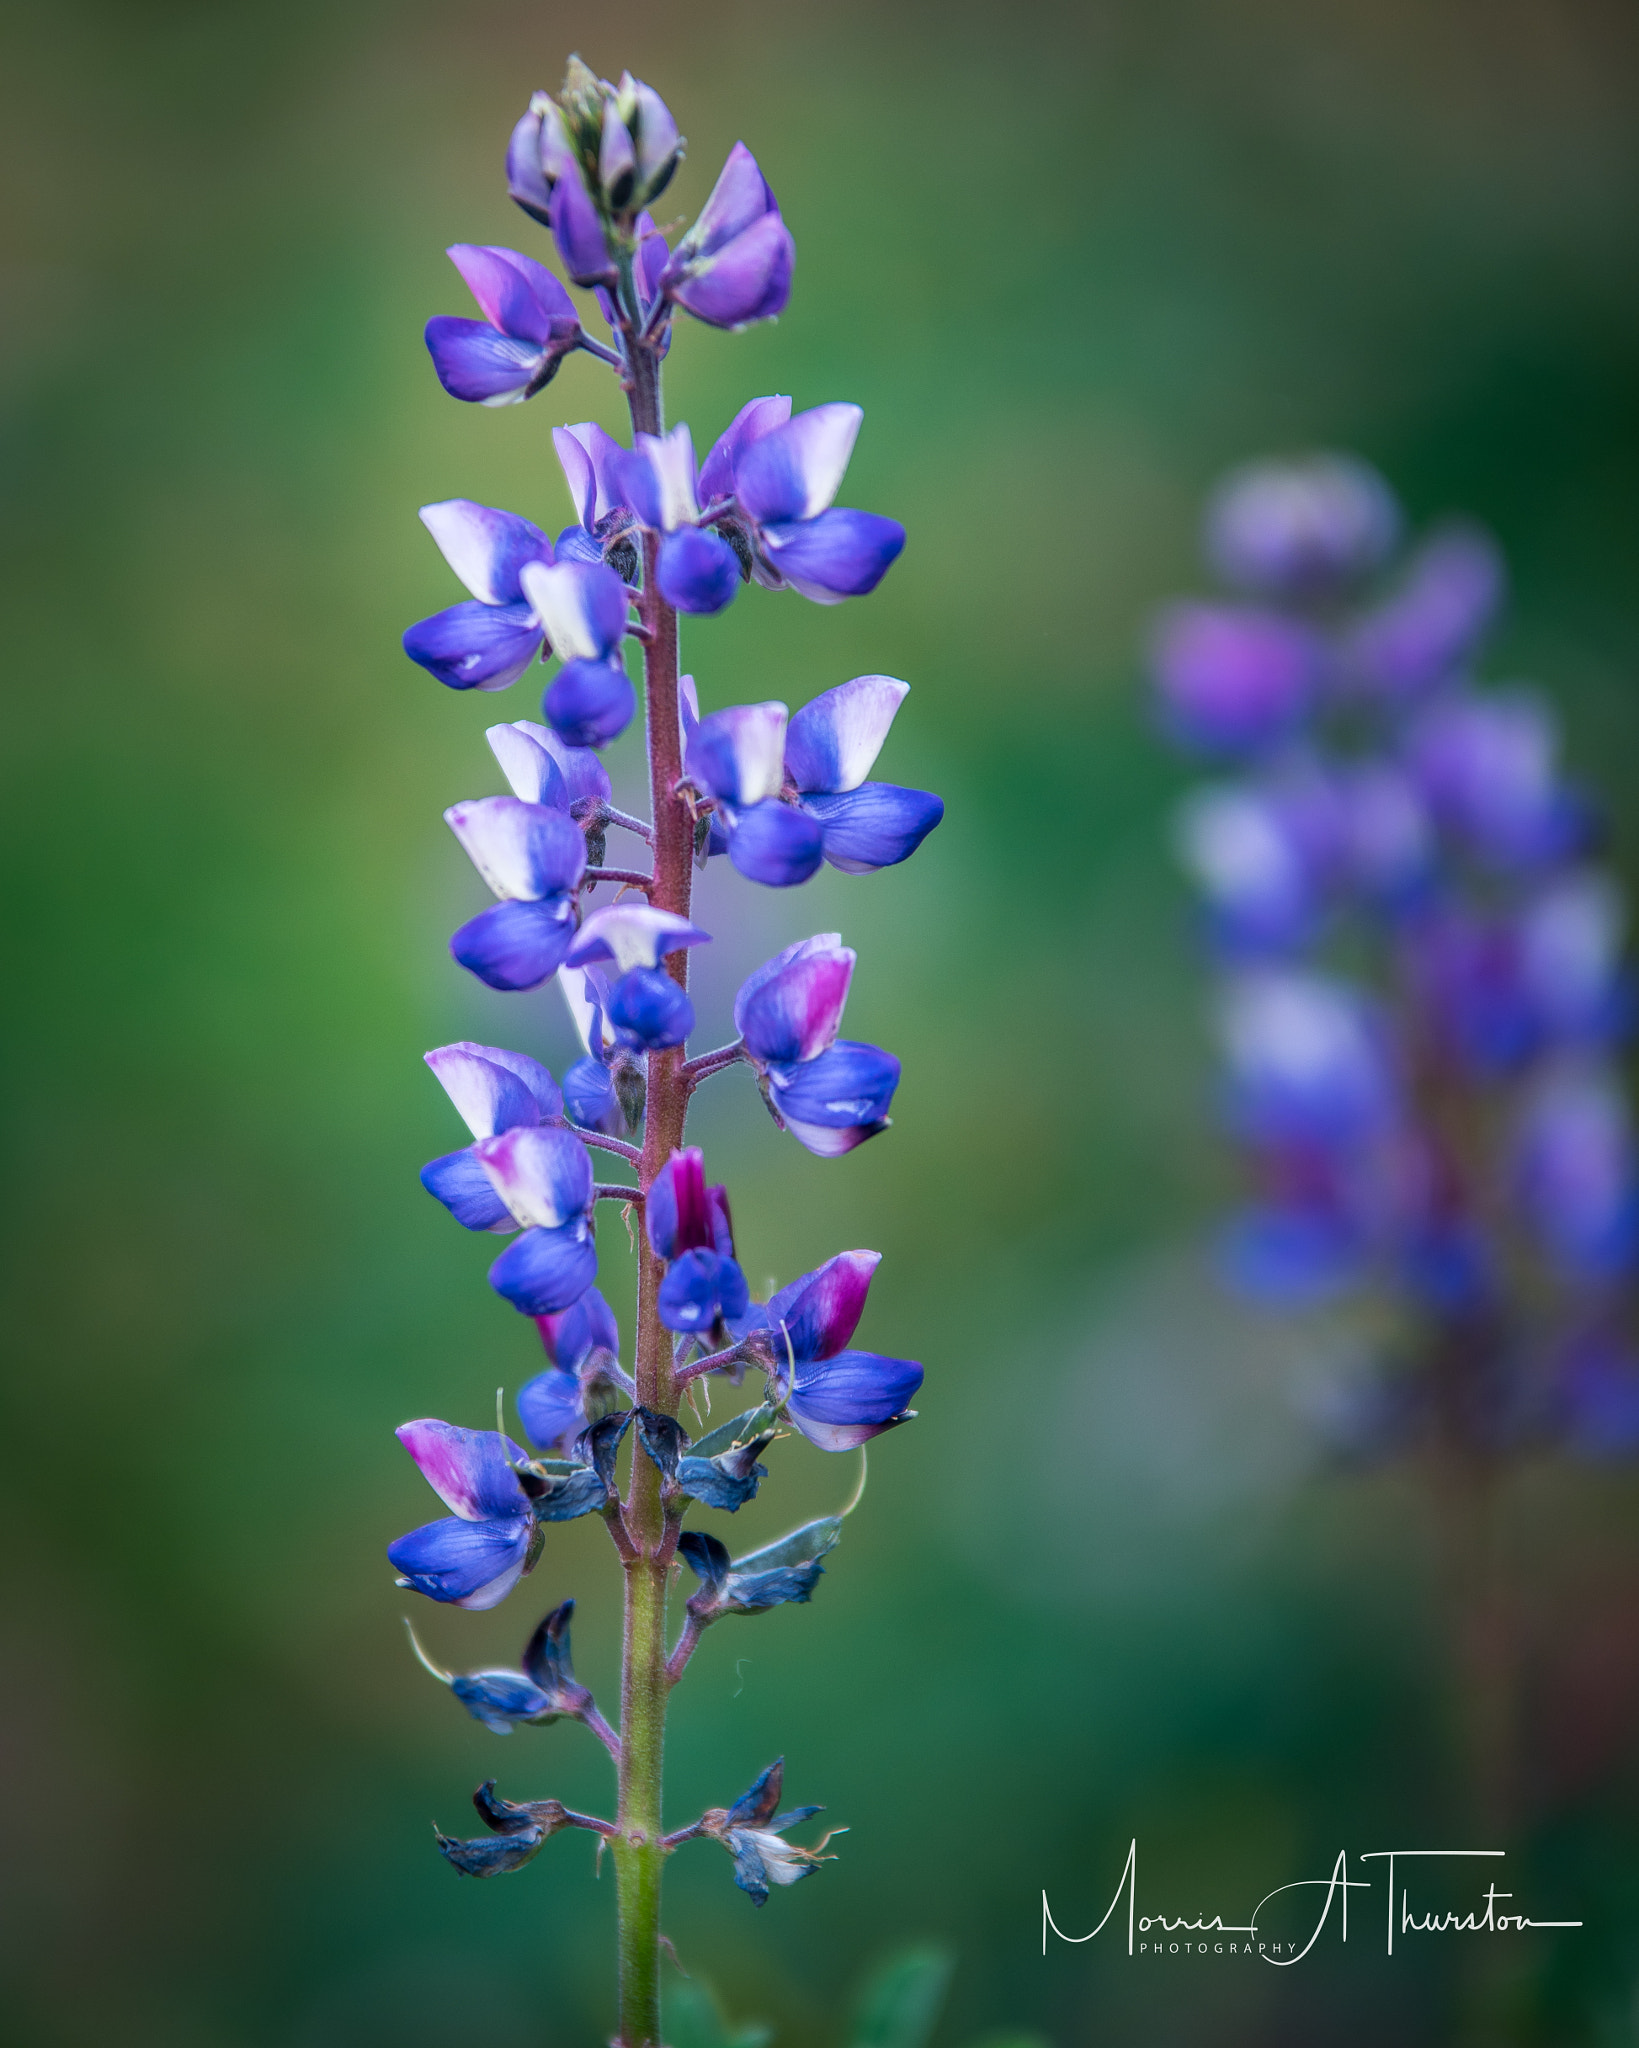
501	1699
589	1093
648	1010
461	1184
698	571
546	1270
515	945
875	825
850	1084
844	1401
698	1287
840	554
551	1409
776	844
475	646
1291	1257
470	1564
587	1327
589	703
477	364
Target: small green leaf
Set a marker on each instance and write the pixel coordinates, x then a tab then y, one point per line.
902	1998
739	1429
812	1540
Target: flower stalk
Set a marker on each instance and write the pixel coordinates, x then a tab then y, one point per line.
779	795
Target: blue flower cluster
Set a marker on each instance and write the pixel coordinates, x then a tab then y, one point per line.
656	534
1422	998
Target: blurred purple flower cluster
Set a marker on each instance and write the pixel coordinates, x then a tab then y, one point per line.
1421	998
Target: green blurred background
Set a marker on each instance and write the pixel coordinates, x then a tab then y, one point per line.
1072	261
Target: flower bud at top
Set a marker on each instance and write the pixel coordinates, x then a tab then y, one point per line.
1300	528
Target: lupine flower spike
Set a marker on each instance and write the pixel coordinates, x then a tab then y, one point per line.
657	534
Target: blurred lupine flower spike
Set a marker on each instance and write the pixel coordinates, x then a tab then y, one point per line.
657	534
1422	995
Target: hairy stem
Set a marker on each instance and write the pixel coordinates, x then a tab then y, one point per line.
639	1849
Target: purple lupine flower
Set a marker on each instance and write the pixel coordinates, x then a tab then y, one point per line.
544	1175
582	1343
831	1094
831	746
688	1225
1233	679
544	1691
773	476
1577	1175
1425	632
538	155
839	1398
476	1554
734	265
582	606
644	1007
1300	528
529	326
1264	856
696	569
1386	838
494	1090
578	230
1487	768
488	642
737	757
533	858
1569	955
1306	1055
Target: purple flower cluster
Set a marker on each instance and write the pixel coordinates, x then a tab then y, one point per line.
1422	996
658	534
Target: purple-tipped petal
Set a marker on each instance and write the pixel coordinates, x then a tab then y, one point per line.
791	1008
589	703
515	945
776	844
552	1409
795	471
474	646
633	935
848	1086
758	417
678	1213
523	851
465	1564
648	1011
481	367
698	572
579	234
487	549
526	764
838	555
461	1184
546	1270
1232	679
844	1401
494	1089
515	293
874	826
582	605
471	1470
738	754
1425	632
817	1315
740	196
835	738
542	1172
